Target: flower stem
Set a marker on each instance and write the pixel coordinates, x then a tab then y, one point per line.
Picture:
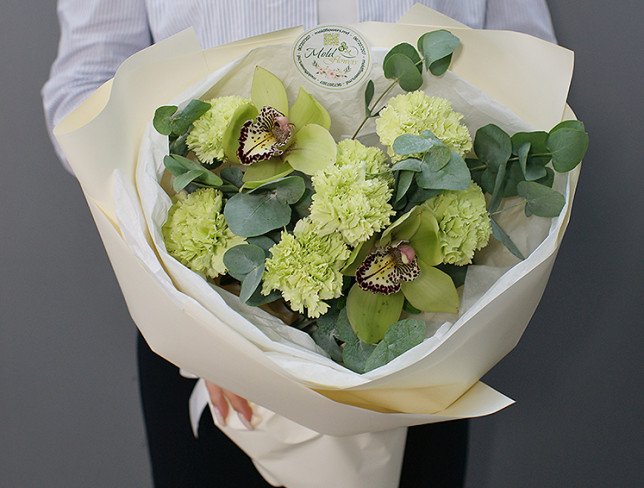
364	121
507	208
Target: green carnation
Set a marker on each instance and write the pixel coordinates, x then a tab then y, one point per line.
352	196
196	233
464	224
412	113
305	267
353	153
207	133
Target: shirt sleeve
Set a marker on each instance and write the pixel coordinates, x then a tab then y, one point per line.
96	36
529	16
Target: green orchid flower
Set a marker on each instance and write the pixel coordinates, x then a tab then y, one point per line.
273	139
399	267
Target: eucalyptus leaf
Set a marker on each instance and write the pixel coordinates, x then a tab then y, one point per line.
407	144
402	184
399	67
251	283
437	48
287	190
409	164
263	242
242	259
500	235
368	97
420	195
547	180
181	121
233	175
174	166
183	180
343	328
568	147
180	166
438	157
499	188
569	124
356	354
453	176
257	298
400	338
536	139
162	121
303	206
541	200
324	337
255	214
492	146
178	145
407	50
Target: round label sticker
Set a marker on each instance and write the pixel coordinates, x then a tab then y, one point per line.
332	56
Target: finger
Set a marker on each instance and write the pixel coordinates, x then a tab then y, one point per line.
219	402
242	407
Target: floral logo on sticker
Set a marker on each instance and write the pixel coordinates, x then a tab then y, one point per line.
333	57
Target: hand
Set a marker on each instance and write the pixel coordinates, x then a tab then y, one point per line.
220	398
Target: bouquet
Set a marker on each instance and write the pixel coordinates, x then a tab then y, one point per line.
351	261
352	244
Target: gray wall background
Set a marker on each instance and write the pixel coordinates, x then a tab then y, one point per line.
69	412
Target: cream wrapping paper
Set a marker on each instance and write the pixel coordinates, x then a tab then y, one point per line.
442	385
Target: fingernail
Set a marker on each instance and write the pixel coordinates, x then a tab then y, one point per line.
245	421
219	418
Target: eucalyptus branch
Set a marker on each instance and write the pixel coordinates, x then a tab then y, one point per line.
364	121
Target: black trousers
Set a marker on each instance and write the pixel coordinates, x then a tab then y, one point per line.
435	454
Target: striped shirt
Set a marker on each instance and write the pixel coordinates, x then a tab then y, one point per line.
97	35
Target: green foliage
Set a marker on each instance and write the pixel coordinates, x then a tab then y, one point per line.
409	164
437	48
256	214
402	69
500	235
186	171
408	144
368	97
540	200
246	264
265	208
403	183
455	175
241	260
568	144
232	175
288	190
169	121
492	146
400	338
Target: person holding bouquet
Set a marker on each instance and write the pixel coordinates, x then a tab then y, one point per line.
96	36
